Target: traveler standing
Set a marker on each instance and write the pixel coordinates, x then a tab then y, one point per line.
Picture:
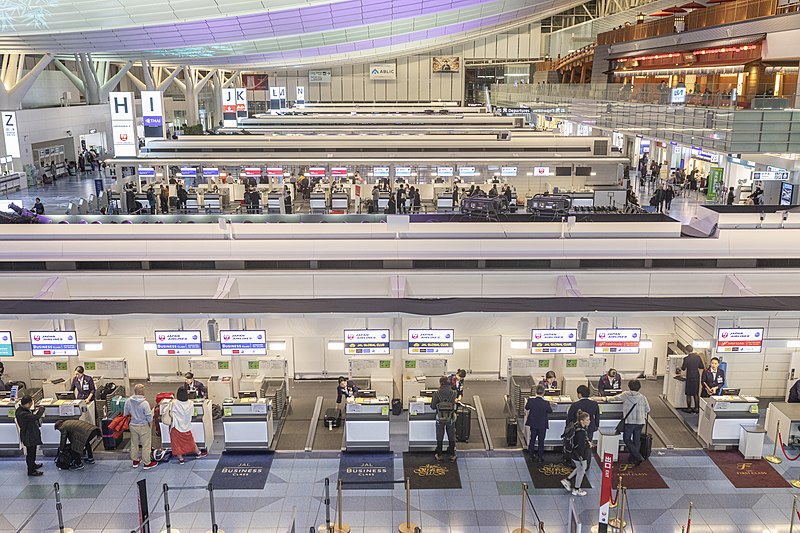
164	199
588	406
80	435
417	201
580	444
141	415
151	199
539	410
391	207
635	408
444	403
731	197
400	202
669	194
692	364
183	197
38	207
180	433
30	433
455	196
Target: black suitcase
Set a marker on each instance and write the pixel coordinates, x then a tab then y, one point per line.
333	417
463	423
397	407
511	432
646	447
109	442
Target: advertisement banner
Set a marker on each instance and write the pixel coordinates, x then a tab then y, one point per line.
11	133
123	124
446	64
624	341
229	108
181	342
6	345
740	340
319	76
243	342
430	341
715	175
605	492
241	103
153	115
554	341
366	342
383	71
54	343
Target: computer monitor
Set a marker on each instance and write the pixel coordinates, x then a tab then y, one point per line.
67	395
5	394
730	392
427	393
247	394
367	393
192	394
612	392
552	392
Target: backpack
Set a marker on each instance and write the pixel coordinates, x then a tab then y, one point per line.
568	440
445	412
63	460
166	414
106	389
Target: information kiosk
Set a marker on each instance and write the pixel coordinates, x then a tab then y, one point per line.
367	424
202	425
247	423
721	418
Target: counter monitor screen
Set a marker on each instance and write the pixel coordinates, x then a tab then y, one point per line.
552	392
247	394
65	395
740	340
6	344
5	394
730	392
367	393
427	393
54	343
612	392
192	394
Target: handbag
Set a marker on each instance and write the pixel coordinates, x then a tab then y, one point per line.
621	425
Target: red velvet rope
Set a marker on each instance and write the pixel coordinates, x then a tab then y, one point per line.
688	524
795	458
613	499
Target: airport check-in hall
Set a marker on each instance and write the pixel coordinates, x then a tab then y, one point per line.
414	266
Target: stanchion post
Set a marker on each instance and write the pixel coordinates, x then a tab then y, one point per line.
340	527
619	491
168	526
774	459
618	522
407	526
61	528
214	527
327	527
522	528
689	518
794	513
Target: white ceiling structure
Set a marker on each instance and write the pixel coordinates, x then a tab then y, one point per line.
256	33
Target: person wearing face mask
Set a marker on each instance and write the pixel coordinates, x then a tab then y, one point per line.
713	380
610	381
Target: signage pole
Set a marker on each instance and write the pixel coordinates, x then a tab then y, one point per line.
341	527
605	492
407	526
774	459
522	528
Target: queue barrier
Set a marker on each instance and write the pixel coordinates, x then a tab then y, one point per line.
794	482
144	526
59	507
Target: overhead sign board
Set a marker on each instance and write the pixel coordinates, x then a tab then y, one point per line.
253	342
339	172
445	172
430	341
252	172
612	341
277	97
146	172
188	172
466	172
153	115
383	71
241	103
229	108
366	342
541	171
180	342
402	172
740	340
123	126
546	341
54	344
6	345
771	175
509	172
210	172
275	172
380	172
319	76
300	95
316	171
11	133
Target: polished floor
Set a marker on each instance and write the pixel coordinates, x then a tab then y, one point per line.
103	498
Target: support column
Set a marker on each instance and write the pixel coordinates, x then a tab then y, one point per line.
14	85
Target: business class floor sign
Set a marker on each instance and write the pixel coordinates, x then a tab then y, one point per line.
425	472
242	471
366	471
746	473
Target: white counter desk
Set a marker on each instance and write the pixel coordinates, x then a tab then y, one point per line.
202	426
366	424
247	423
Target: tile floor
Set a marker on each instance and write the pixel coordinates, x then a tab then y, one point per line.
102	498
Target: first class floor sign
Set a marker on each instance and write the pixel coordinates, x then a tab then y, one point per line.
430	341
625	341
243	342
6	346
54	343
554	341
180	342
740	340
366	342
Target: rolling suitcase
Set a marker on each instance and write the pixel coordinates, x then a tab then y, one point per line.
511	432
463	423
646	445
109	441
333	417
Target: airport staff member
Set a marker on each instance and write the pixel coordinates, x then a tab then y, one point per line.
3	385
692	364
610	381
587	405
550	382
794	393
83	384
713	379
345	389
538	421
457	382
192	385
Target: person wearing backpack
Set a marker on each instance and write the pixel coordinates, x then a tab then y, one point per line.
539	411
577	443
444	402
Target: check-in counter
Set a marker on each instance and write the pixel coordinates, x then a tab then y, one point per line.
247	423
721	419
421	424
340	201
55	410
9	434
318	202
202	426
367	424
444	203
557	422
610	413
788	415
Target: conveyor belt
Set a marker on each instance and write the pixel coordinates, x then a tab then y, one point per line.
674	430
327	439
295	426
492	394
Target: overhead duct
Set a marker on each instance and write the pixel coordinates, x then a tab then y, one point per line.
583	328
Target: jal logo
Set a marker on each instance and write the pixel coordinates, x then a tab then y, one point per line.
724	334
415	335
538	336
350	336
602	335
37	338
226	337
162	337
540	171
123	137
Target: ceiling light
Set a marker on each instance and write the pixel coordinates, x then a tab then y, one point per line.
645	343
93	346
793	343
335	345
278	345
150	346
699	343
519	345
461	345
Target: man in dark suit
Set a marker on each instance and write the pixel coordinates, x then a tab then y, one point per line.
692	364
539	410
588	406
29	434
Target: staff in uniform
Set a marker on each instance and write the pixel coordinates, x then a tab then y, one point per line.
610	381
83	384
538	420
692	364
345	389
192	385
713	380
550	382
457	382
794	393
